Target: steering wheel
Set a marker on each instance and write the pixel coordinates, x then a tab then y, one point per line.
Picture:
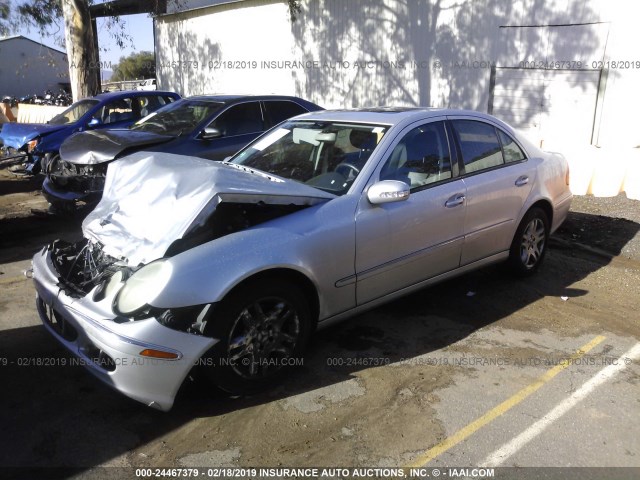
349	167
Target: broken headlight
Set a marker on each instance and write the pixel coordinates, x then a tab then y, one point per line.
31	145
142	288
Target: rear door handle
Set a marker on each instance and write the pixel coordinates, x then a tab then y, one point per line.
523	180
454	201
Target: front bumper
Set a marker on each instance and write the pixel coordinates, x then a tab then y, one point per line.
109	347
8	154
58	197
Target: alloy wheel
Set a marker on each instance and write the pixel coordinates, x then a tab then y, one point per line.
263	337
533	243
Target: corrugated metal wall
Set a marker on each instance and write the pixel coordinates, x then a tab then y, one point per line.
27	67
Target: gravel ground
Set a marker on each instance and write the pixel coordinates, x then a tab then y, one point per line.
608	224
332	412
617	207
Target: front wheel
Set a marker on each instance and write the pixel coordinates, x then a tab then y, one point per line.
529	244
263	329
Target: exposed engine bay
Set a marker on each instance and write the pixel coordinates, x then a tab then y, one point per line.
81	266
158	205
77	178
84	265
230	218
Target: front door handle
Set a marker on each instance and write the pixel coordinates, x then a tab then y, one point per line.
456	200
523	180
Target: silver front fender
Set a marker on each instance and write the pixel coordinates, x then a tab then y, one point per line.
318	242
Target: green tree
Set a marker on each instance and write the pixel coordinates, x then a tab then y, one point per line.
135	66
4	17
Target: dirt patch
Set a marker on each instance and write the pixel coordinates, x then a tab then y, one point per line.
25	225
354	402
609	224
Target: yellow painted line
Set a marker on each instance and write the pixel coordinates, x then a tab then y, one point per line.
504	407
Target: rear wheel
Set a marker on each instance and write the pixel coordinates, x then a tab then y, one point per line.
529	244
263	329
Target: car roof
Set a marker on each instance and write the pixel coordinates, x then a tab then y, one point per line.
130	93
391	115
227	99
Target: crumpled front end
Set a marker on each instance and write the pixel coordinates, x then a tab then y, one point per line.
154	201
95	147
10	155
17	135
146	358
73	185
98	296
22	139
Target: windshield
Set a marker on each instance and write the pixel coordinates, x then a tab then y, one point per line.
178	118
324	155
74	112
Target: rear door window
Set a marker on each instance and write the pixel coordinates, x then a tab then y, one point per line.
150	103
123	109
240	119
479	144
280	110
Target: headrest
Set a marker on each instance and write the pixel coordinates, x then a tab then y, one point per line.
362	139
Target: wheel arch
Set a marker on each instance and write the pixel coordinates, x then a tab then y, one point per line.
290	275
545	206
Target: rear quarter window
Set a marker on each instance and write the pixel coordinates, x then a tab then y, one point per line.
512	152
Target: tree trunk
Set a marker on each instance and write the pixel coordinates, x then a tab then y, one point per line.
82	51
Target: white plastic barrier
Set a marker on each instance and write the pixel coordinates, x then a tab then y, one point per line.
28	113
605	172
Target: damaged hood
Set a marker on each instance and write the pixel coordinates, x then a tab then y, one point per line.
98	146
15	135
152	199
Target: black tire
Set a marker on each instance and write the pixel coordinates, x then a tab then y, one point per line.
254	350
529	244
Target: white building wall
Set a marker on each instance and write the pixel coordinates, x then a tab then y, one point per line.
27	67
372	52
424	52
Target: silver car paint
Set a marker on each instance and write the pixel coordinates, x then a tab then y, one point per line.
350	250
397	244
154	382
307	244
317	242
152	199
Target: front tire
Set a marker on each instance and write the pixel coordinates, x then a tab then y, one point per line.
529	244
263	328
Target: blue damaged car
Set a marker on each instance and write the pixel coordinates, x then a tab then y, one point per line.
39	143
207	126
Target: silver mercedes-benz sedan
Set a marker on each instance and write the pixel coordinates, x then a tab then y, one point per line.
231	266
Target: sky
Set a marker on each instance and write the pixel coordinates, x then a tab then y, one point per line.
139	27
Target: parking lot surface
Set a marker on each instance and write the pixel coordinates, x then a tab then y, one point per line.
480	370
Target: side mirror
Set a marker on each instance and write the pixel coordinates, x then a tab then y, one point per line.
388	191
94	122
210	132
